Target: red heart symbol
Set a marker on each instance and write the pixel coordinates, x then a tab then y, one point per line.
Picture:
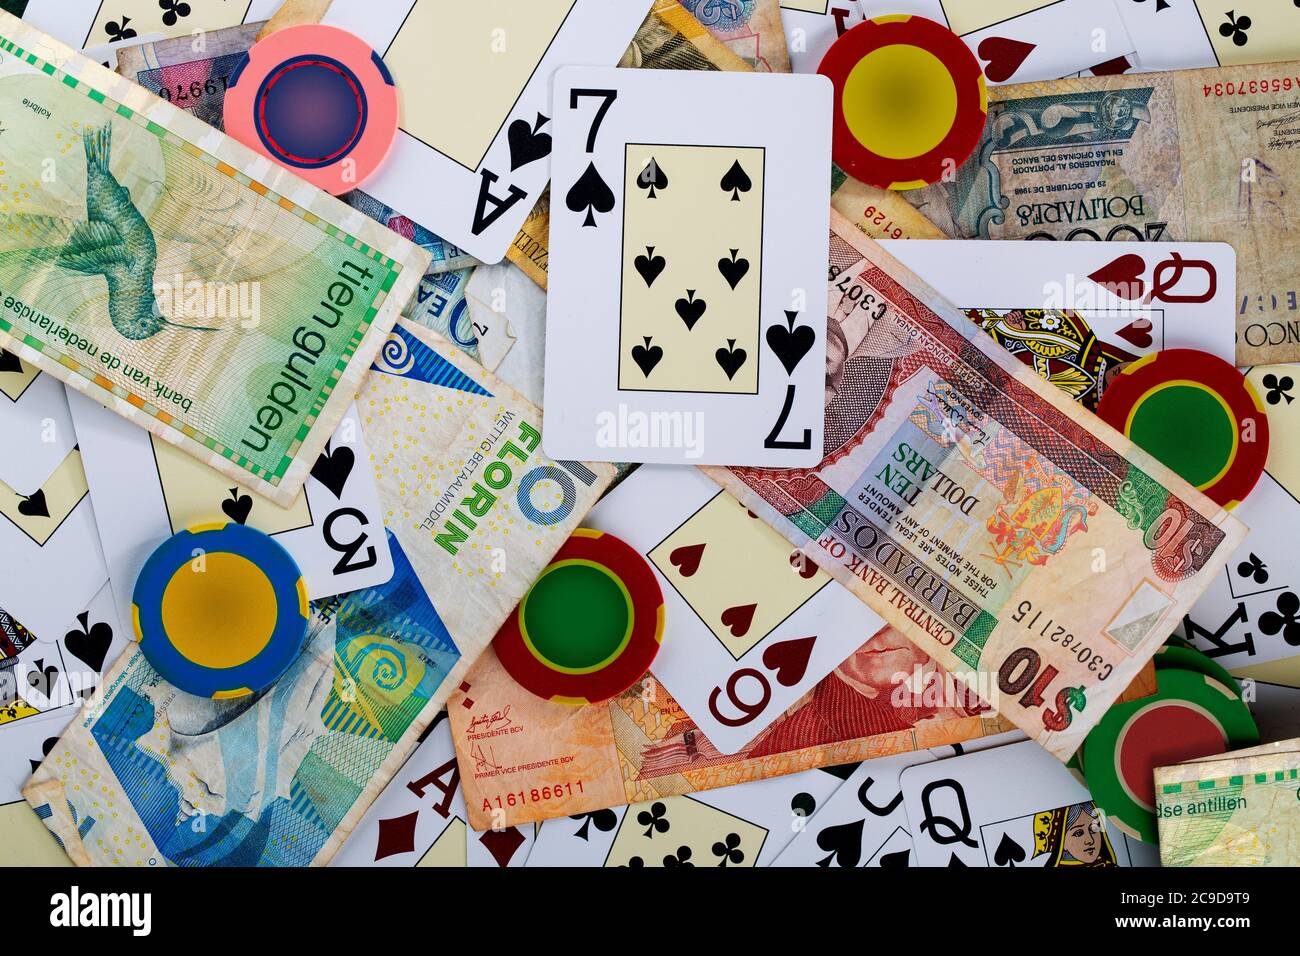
803	564
1138	332
1003	56
1123	277
686	559
739	619
789	660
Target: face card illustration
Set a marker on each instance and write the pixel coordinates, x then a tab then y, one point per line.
147	491
751	625
53	559
476	163
1248	619
687	245
1077	313
813	26
709	217
1011	806
419	818
35	421
1181	36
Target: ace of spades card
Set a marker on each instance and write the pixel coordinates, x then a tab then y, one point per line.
751	624
686	321
473	151
146	491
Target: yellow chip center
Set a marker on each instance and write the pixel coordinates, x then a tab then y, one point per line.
900	101
222	615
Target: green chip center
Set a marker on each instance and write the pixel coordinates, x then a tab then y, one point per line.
1187	429
577	617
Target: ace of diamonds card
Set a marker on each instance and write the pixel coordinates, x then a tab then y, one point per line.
689	225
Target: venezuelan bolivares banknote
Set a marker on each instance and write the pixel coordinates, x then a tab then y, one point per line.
178	278
1029	549
1234	809
474	512
1200	155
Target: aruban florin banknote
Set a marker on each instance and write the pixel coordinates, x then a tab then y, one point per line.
1192	155
1028	548
171	274
474	512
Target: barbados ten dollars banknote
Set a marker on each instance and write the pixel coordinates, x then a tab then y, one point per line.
474	511
192	286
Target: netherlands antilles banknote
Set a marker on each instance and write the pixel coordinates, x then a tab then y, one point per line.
751	29
474	512
1200	155
1235	809
522	758
1027	547
173	275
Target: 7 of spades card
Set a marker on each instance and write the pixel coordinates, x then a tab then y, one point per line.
687	318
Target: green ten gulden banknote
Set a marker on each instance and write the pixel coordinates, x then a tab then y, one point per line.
178	278
474	511
1235	809
1203	155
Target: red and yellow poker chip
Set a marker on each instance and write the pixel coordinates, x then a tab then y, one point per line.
318	101
910	101
1197	415
589	627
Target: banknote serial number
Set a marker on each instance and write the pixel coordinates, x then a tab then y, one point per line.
1277	84
521	798
183	93
857	294
1059	634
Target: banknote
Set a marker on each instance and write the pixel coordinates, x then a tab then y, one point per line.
750	28
1234	809
1190	155
171	274
193	72
281	777
1024	545
524	759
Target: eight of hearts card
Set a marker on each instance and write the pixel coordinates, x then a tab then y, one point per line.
688	244
473	153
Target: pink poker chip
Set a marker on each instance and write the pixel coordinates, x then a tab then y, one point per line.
317	100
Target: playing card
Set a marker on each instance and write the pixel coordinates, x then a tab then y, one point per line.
685	321
49	674
750	626
1076	312
1197	33
35	423
812	26
419	817
744	825
507	847
1011	806
91	23
1248	619
146	490
1275	707
53	559
473	152
1017	41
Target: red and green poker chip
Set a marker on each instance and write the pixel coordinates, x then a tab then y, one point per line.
1190	716
589	627
910	101
1197	415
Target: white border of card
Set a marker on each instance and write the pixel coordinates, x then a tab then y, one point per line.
37	429
339	544
809	33
731	699
481	209
609	399
1056	275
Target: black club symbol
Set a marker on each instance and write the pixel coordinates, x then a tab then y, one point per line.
1286	619
681	858
173	11
635	863
1254	568
1279	388
655	819
119	31
1235	28
729	850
